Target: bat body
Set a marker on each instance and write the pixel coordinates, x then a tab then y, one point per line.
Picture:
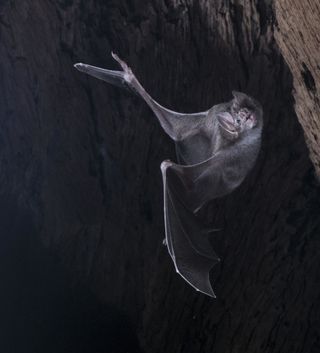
215	151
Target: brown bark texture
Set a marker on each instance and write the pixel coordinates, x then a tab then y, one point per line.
83	158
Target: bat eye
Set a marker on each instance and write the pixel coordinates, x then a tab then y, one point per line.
251	121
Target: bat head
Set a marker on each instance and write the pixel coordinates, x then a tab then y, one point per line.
245	114
246	111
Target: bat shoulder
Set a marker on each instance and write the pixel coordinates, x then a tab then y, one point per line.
218	108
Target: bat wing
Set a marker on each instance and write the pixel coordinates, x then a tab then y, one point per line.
186	237
177	125
186	189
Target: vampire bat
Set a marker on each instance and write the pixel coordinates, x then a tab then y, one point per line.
215	151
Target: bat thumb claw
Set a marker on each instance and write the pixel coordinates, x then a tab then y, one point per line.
115	56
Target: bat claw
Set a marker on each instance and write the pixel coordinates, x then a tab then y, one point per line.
123	65
115	56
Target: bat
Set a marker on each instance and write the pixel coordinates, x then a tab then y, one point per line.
215	151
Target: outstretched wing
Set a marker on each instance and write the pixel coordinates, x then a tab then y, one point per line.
177	125
186	189
186	237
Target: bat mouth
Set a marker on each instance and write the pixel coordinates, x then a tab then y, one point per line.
226	121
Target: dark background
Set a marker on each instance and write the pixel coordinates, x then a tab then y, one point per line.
82	264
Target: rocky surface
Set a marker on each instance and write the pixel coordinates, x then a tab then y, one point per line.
298	36
83	158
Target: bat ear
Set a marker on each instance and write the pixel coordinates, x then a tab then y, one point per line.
239	96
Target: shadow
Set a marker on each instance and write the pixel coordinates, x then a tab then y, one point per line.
40	310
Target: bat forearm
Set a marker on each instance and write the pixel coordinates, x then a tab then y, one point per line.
177	125
165	116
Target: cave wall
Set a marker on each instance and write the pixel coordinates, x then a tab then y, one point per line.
297	34
84	158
